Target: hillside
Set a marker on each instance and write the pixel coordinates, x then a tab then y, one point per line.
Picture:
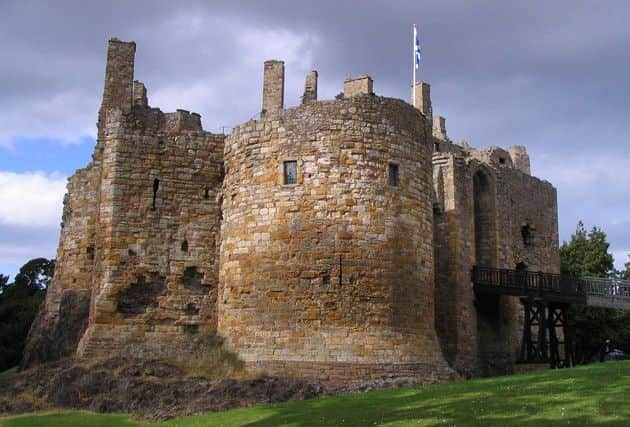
589	395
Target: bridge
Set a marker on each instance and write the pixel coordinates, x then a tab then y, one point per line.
548	336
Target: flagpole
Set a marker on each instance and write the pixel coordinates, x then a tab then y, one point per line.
413	66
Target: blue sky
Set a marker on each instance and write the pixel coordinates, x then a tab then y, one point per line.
548	75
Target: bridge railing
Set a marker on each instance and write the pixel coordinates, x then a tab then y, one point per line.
519	282
596	286
570	288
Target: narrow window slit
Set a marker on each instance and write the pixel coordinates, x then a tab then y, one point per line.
156	186
393	175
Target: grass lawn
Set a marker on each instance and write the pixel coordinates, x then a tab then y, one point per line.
591	395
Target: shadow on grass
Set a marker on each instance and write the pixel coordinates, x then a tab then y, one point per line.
69	419
594	395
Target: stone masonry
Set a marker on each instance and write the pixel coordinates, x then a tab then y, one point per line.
333	239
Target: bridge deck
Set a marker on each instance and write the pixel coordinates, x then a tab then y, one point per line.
596	292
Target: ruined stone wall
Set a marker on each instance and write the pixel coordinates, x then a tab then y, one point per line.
520	230
456	322
158	226
62	318
140	228
337	268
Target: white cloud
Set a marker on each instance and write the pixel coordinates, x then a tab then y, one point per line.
226	96
66	116
31	199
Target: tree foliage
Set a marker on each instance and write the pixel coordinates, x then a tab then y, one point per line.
19	302
586	254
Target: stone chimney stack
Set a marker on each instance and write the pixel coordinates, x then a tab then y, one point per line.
362	85
439	127
273	87
423	99
310	88
118	92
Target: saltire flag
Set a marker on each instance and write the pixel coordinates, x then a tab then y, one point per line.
416	47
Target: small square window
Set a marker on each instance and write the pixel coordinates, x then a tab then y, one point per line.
290	172
393	175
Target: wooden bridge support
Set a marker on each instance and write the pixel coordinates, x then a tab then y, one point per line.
547	334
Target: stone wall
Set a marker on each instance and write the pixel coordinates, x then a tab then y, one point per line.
74	271
339	266
273	87
487	212
158	227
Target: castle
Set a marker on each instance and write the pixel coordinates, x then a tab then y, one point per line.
334	239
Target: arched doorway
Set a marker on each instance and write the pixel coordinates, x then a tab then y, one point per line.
485	219
489	322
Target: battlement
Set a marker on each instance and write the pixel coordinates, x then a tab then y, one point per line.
273	87
362	85
125	100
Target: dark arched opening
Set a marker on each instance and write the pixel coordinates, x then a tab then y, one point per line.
485	224
488	306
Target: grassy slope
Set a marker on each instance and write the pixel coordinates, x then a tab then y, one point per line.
591	395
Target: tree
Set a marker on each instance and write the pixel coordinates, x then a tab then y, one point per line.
586	254
19	303
626	273
4	282
36	274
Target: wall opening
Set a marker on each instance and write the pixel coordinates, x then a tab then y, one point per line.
490	331
191	309
184	246
156	186
485	223
90	252
290	172
393	175
527	233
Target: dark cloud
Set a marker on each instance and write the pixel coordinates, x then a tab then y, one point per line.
548	75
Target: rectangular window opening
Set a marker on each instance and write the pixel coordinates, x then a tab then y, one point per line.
290	172
393	175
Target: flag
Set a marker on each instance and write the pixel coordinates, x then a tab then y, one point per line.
416	47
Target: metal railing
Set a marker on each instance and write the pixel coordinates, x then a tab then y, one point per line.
612	293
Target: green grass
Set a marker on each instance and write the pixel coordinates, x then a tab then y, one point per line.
591	395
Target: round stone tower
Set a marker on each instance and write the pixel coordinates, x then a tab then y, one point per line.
326	257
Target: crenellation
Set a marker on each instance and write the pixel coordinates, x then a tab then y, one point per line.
273	87
422	97
140	99
362	85
520	158
439	128
334	239
310	88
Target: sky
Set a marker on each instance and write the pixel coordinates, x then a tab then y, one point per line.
548	75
